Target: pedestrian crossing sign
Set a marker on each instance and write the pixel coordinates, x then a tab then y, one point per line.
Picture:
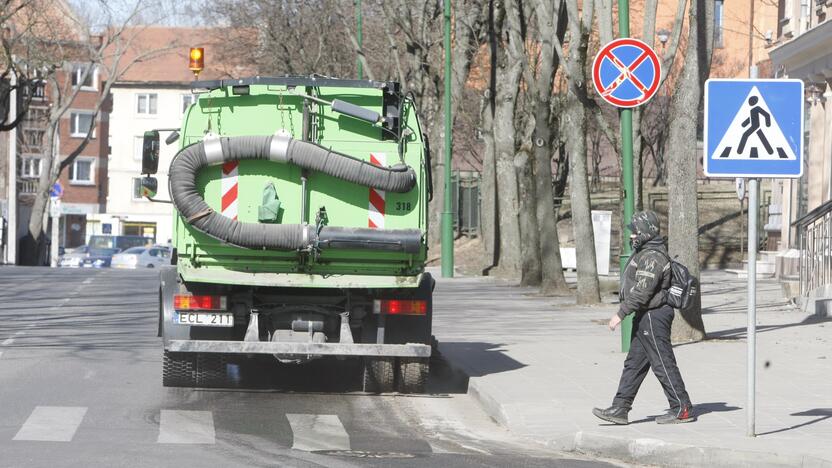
753	128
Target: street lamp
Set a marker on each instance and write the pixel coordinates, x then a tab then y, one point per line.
663	35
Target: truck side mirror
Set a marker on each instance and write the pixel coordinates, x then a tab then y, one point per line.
150	153
149	187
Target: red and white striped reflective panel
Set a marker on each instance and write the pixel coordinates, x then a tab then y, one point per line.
229	189
376	210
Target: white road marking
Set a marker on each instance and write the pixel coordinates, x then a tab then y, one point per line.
186	427
7	342
52	423
314	432
87	281
1	354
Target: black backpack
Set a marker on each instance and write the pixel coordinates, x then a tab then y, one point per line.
682	284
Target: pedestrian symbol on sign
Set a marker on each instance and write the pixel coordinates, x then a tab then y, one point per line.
754	133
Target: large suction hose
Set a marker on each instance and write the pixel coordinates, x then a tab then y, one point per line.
190	204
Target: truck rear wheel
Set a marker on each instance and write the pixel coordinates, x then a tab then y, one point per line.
379	375
194	370
413	375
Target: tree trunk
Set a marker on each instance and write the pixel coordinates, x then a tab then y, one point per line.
552	279
489	214
551	21
532	274
575	128
588	288
488	201
508	204
683	222
49	173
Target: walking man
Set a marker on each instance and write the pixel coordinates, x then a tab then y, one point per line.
753	123
644	287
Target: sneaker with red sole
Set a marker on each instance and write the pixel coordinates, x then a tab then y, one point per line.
677	416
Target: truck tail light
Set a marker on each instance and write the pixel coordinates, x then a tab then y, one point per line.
191	302
400	307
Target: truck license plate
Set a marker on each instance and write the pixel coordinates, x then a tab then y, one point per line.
205	319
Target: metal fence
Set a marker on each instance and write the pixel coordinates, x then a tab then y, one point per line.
815	231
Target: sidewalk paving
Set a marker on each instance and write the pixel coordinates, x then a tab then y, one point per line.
538	365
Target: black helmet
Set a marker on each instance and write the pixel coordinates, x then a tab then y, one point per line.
646	227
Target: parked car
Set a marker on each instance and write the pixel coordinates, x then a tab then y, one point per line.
74	257
99	258
119	242
142	257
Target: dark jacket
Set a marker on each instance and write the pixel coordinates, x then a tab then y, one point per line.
646	278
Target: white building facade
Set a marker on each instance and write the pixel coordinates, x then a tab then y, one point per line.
138	108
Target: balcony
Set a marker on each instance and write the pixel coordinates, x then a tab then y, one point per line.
27	186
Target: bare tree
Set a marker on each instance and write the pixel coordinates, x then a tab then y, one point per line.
578	107
22	56
292	37
83	56
684	217
551	19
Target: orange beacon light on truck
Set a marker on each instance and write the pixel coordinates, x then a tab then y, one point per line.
197	60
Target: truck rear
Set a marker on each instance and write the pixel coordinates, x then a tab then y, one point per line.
300	223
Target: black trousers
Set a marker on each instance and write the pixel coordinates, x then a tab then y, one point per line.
650	348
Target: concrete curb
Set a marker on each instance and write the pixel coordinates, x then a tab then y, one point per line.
643	451
661	453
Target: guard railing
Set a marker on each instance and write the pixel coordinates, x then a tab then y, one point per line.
815	236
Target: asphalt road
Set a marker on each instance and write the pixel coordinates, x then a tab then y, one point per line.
80	385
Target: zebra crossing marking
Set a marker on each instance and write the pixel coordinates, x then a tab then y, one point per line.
186	427
313	432
52	423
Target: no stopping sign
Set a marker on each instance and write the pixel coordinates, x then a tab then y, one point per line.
626	72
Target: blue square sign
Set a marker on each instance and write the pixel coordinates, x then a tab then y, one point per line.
753	128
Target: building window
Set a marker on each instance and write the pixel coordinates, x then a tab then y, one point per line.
36	114
80	124
90	81
37	88
718	21
137	188
30	167
81	172
146	103
138	143
33	138
187	100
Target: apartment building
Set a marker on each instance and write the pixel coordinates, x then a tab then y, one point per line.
804	51
153	94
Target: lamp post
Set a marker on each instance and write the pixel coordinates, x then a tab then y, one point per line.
359	27
626	119
447	212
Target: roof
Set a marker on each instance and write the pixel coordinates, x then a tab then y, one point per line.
163	56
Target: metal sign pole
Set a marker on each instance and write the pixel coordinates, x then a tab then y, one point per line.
751	334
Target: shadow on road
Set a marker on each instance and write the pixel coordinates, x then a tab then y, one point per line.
481	358
822	415
740	333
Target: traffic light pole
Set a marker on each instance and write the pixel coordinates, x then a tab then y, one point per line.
626	116
447	219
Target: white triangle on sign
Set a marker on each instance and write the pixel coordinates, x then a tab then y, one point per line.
754	134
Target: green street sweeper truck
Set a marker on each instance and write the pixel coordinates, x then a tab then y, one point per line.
300	211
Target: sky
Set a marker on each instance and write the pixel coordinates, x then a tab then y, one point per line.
165	12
